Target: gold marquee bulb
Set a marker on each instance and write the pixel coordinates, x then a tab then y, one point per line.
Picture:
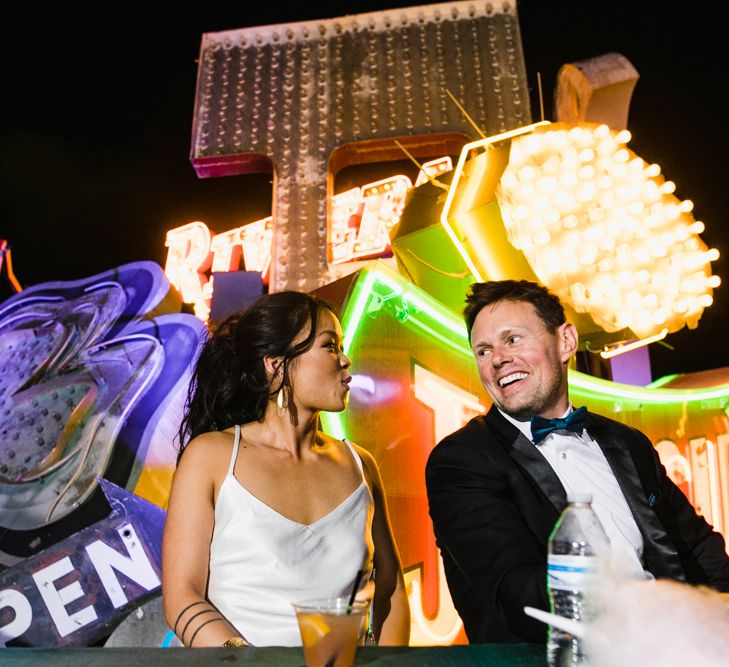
604	231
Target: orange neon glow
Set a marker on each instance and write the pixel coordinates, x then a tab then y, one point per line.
226	249
6	261
257	244
346	216
444	627
188	258
452	407
362	217
433	169
360	221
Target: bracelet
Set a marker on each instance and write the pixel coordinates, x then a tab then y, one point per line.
192	618
236	642
184	610
201	626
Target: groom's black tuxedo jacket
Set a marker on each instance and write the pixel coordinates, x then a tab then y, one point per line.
494	500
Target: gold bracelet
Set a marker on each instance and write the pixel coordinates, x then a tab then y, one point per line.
236	642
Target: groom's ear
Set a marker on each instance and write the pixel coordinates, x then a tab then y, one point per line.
567	338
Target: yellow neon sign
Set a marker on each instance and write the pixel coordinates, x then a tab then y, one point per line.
473	183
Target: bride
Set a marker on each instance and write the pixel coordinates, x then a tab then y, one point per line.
266	509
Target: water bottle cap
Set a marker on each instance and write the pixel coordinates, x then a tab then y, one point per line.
579	497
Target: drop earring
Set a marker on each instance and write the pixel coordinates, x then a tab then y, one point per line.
281	402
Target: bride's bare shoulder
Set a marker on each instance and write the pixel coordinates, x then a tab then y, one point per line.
210	450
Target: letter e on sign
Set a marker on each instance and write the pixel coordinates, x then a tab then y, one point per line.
57	599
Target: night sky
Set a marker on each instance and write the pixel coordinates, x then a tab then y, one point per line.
97	114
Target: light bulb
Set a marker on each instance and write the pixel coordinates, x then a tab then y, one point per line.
542	238
652	170
607	243
526	173
636	208
568	179
586	155
547	184
660	316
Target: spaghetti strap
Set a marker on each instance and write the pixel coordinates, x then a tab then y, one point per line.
234	455
355	456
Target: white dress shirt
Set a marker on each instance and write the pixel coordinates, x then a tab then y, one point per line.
580	465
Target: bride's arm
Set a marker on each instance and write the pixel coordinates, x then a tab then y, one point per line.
186	545
391	611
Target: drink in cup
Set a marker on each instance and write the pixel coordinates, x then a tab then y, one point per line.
331	629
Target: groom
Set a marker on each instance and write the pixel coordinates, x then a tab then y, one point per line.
496	487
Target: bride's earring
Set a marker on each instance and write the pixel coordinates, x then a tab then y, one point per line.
281	402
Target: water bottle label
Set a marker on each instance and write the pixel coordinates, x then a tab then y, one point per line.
571	573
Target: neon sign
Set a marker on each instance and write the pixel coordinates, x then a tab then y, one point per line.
360	221
188	258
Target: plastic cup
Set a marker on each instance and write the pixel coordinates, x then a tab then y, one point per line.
331	629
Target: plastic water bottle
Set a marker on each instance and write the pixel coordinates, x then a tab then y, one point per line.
576	552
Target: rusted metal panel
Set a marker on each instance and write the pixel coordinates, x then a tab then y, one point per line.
293	93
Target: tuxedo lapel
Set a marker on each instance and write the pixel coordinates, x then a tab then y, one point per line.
529	458
659	552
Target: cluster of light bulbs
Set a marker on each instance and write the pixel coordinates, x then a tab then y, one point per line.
604	230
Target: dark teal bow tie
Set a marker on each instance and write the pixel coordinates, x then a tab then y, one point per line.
574	421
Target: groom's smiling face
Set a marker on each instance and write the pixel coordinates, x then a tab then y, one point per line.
521	363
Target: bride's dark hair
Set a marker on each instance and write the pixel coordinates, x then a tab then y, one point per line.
229	384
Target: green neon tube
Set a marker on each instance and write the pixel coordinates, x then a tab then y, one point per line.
448	329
